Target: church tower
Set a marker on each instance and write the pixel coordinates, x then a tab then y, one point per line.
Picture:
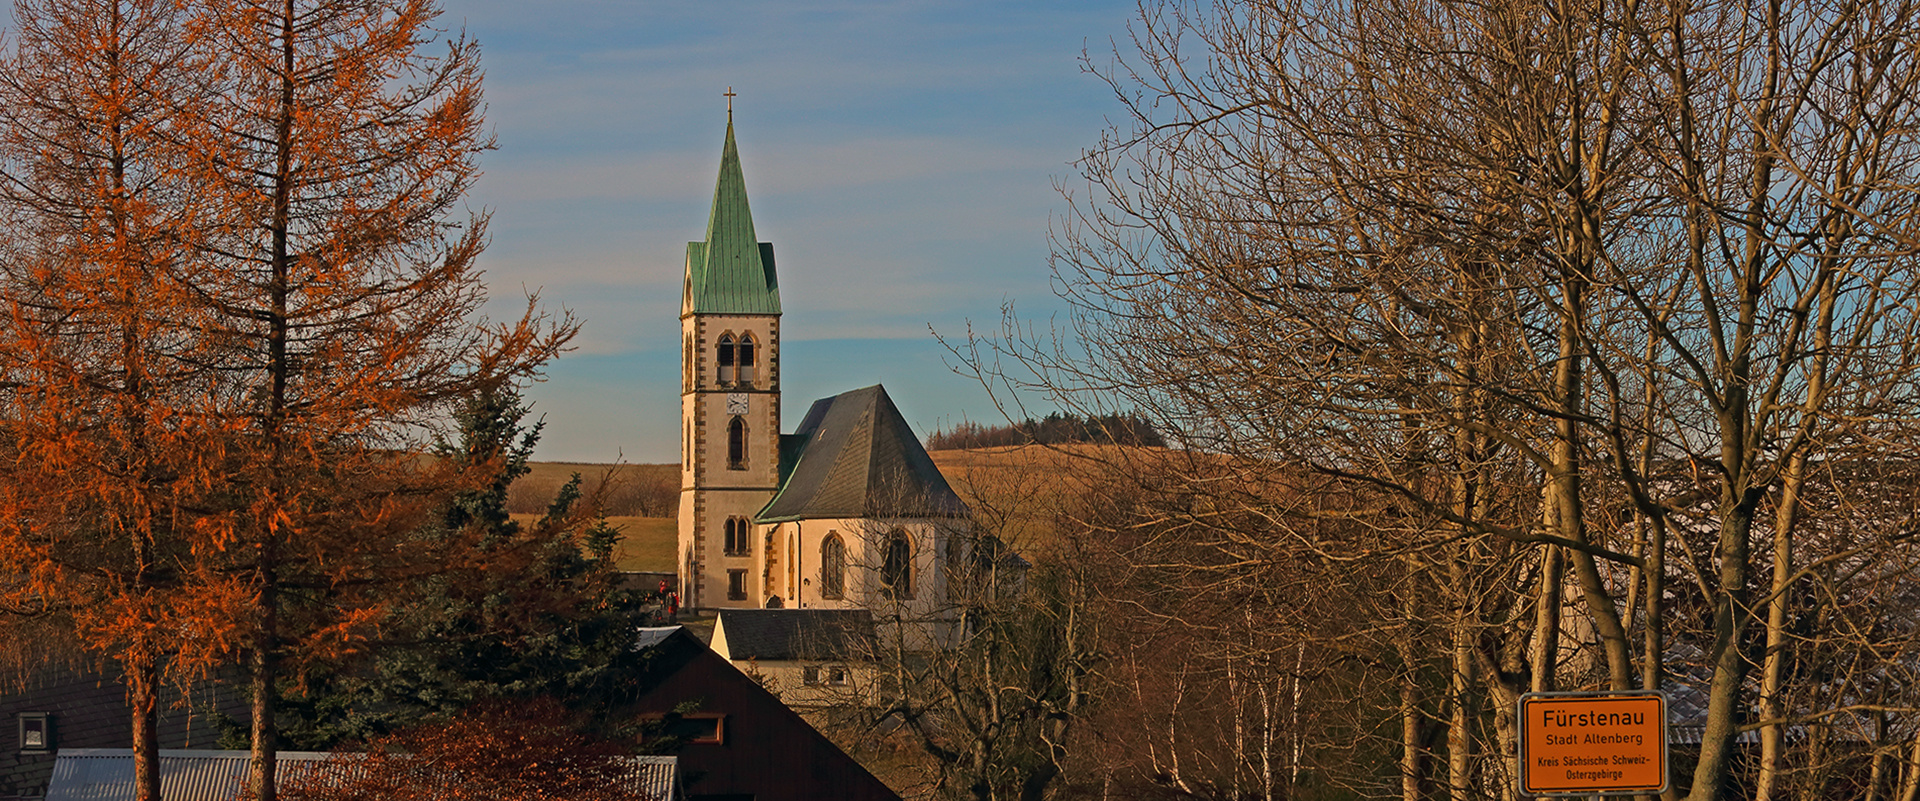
729	397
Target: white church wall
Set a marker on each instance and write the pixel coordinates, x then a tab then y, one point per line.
865	541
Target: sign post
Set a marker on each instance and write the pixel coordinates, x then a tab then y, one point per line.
1589	744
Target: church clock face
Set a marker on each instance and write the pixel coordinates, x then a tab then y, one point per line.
736	403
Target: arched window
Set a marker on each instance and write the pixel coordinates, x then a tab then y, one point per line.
833	568
737	443
745	362
737	530
724	352
896	573
688	373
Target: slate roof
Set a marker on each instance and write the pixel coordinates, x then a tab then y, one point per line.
858	458
731	272
772	634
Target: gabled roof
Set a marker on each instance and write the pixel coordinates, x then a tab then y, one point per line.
731	272
742	634
860	459
769	752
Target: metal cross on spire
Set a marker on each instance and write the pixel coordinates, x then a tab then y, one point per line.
730	94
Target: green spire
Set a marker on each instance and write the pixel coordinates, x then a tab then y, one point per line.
731	272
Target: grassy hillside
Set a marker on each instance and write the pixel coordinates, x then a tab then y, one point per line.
640	499
646	543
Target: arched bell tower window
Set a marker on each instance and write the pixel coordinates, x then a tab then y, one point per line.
896	573
724	354
737	443
744	361
833	568
738	541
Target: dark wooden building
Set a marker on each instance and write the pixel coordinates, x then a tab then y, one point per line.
62	707
742	743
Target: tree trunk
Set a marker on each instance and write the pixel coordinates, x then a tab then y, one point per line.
1410	761
1545	654
1717	748
1500	680
1412	765
1773	665
263	761
143	677
1910	776
1462	712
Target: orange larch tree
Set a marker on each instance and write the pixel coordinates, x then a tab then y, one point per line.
238	298
109	463
338	139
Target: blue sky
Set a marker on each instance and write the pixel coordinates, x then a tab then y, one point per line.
901	156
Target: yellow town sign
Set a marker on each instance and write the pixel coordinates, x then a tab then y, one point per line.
1593	743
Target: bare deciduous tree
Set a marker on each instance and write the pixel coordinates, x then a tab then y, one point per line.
986	669
1597	284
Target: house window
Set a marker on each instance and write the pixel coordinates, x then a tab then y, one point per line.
724	354
36	731
737	541
697	727
896	573
837	675
736	585
810	675
737	443
833	568
744	363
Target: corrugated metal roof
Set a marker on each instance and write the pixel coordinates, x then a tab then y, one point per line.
732	271
106	774
657	776
860	459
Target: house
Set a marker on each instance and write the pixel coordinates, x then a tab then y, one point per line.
739	742
847	512
809	658
106	774
735	740
58	707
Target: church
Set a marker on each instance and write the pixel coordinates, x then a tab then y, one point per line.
846	512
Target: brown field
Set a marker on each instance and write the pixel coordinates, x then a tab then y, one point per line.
1020	492
632	490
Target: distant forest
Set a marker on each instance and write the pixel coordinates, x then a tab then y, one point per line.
1054	429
